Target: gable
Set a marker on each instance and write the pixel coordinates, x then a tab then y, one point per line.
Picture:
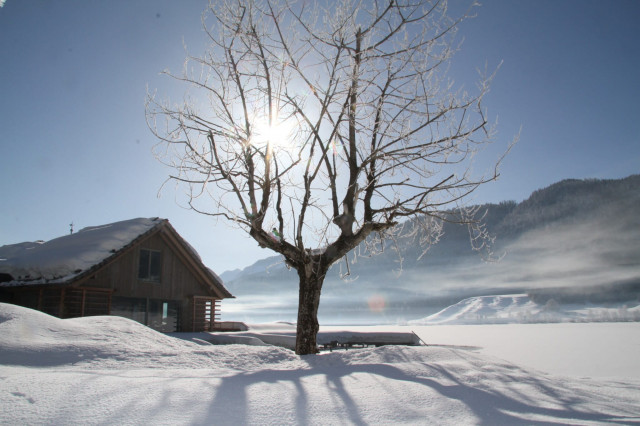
191	259
172	280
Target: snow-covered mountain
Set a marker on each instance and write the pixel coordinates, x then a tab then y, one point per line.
577	240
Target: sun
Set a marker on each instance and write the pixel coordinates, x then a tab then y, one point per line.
280	134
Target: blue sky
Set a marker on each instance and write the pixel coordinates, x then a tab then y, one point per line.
75	147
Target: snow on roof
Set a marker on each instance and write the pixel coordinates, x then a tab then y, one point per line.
62	258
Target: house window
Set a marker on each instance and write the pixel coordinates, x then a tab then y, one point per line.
150	265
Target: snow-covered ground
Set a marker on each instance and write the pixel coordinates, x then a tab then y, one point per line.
581	350
109	370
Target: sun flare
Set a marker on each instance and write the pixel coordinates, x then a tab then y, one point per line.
279	133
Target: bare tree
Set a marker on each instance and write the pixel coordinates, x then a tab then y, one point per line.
313	127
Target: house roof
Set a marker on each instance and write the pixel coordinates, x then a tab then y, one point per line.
66	259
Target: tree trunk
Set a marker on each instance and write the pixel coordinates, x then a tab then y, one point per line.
309	299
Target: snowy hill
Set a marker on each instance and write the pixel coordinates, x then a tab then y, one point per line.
519	308
108	370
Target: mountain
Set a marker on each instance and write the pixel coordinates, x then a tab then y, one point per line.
575	237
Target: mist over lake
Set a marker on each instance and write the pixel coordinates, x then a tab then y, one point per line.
577	241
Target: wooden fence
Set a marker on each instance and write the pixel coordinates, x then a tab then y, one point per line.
206	313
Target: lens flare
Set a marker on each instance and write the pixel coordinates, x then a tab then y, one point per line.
377	303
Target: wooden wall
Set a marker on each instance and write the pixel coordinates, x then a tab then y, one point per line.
122	275
177	282
64	301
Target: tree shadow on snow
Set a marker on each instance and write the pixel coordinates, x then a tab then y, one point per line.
362	387
519	399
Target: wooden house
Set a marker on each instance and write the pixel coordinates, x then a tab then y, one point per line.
141	269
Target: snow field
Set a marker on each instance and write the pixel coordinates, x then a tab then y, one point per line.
583	350
107	370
